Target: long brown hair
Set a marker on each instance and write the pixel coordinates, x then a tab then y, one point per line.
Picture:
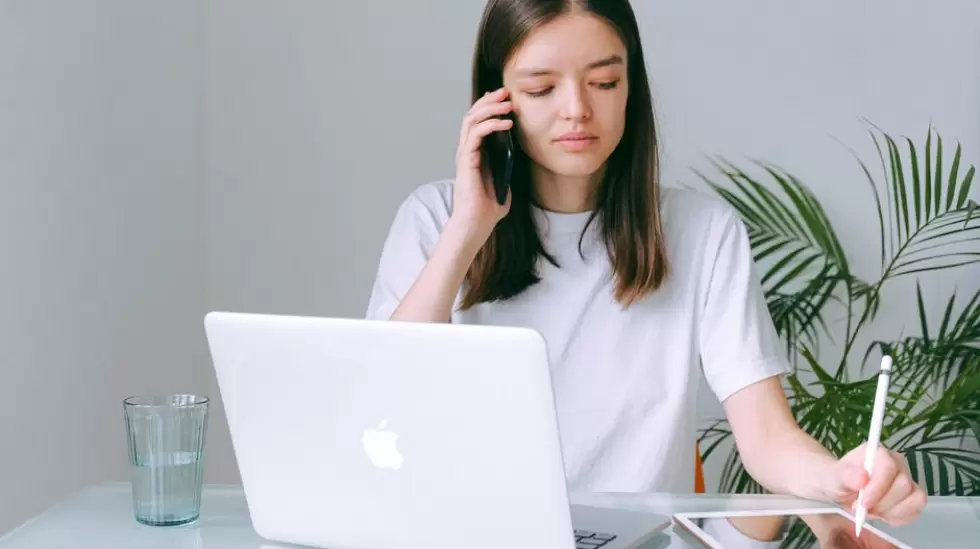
628	201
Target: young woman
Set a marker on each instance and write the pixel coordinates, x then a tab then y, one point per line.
636	290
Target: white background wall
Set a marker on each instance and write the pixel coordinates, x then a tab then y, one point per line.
161	159
323	116
101	221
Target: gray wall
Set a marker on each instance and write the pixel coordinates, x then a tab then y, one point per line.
101	233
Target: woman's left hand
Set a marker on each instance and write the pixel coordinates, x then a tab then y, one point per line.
889	494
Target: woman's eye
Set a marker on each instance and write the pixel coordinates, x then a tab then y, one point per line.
539	92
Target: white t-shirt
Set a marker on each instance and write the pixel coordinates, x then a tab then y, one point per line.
625	380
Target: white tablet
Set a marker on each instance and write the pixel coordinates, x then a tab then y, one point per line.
815	528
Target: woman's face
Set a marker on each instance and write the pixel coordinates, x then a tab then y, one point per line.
567	81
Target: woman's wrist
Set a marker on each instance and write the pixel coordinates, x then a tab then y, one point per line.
463	239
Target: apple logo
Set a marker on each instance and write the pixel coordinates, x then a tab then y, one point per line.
381	447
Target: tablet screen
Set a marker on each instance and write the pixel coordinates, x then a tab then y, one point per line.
818	530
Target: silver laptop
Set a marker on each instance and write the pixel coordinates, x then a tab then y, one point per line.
395	435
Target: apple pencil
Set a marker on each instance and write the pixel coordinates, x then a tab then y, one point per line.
874	436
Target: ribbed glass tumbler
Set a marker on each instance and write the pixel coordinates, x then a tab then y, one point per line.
166	456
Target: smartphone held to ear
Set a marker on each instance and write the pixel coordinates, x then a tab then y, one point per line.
499	154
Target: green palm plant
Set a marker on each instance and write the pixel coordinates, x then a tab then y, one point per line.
927	222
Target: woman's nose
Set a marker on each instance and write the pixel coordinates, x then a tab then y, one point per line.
576	104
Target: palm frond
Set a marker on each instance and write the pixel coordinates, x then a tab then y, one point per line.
798	315
794	223
717	433
945	471
932	212
790	230
940	355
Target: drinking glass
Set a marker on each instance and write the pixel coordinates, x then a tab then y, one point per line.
166	456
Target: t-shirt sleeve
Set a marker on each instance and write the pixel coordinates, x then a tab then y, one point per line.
411	238
739	344
725	533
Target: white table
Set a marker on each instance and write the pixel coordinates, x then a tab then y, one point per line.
101	517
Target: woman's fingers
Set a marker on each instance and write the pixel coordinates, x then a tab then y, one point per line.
470	149
491	104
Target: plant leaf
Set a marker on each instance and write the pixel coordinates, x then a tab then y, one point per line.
910	227
916	185
792	230
877	199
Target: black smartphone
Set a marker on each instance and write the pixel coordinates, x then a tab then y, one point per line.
498	148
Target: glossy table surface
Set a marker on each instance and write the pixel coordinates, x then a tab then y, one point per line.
100	516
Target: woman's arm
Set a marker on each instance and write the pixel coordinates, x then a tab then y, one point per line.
743	358
431	297
785	459
775	451
415	284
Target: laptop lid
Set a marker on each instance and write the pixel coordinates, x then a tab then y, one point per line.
391	435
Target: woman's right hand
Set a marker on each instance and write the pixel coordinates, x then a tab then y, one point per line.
432	296
475	207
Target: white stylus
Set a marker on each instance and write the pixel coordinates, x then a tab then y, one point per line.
874	436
